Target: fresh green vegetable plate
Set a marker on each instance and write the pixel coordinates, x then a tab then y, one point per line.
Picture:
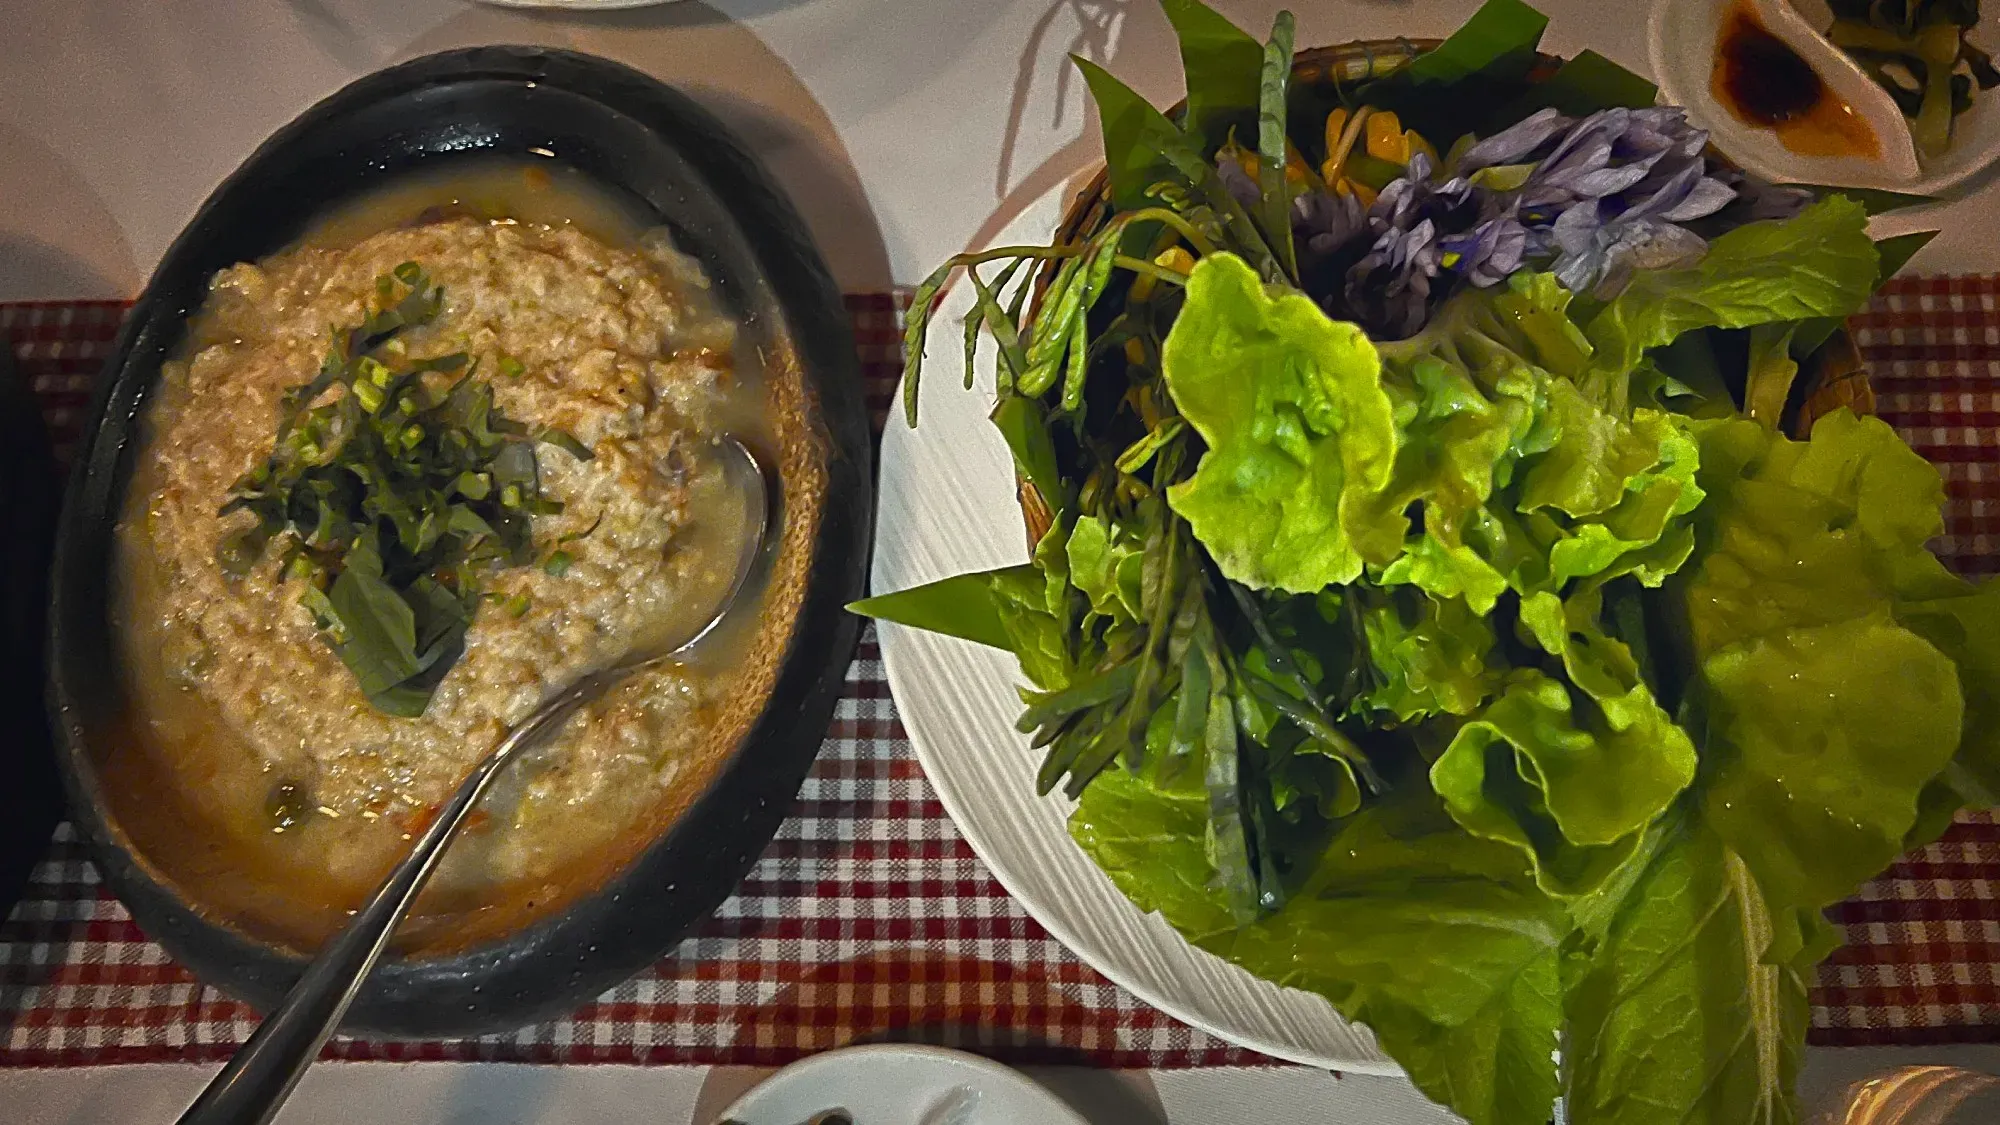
1451	599
947	507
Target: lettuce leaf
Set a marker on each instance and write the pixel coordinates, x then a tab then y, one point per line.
1823	717
1675	1018
1820	740
1495	1068
1148	836
1655	500
1436	939
1569	781
1824	722
1522	480
1595	456
1431	656
1449	572
1965	625
1297	424
1107	564
1038	635
1817	263
1471	393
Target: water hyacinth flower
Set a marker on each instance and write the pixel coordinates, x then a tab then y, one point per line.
1489	252
1389	290
1590	199
1422	228
1324	222
1757	199
1604	195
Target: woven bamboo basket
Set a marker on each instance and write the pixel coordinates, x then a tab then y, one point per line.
1834	379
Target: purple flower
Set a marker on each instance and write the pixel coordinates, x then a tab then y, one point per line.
1512	145
1424	229
1607	194
1389	290
1323	222
1757	199
1600	257
1487	253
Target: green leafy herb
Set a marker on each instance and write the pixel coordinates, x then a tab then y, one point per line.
1819	263
1479	69
1678	1016
1136	136
1892	254
389	498
1516	686
959	606
1297	423
1220	62
1273	149
1501	33
1586	83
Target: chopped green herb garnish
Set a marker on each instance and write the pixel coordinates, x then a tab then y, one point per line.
558	564
511	367
393	497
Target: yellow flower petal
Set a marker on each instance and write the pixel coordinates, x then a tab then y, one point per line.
1385	138
1336	123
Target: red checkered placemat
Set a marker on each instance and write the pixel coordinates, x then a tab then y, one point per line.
869	917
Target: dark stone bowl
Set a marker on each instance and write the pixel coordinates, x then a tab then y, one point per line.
665	155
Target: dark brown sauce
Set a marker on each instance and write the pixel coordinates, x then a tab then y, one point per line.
1764	82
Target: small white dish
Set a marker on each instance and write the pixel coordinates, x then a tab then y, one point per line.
1685	37
1682	40
1975	134
900	1084
579	5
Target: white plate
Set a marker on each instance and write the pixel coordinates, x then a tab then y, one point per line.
895	1084
579	5
947	507
1682	35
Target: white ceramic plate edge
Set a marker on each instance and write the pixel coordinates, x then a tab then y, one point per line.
878	1059
1057	925
579	5
946	506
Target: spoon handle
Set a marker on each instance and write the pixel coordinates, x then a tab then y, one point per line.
257	1080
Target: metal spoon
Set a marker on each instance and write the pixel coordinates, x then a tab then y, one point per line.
261	1075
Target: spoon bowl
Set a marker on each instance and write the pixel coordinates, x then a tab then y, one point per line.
255	1083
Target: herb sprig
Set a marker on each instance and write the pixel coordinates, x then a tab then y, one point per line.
392	486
